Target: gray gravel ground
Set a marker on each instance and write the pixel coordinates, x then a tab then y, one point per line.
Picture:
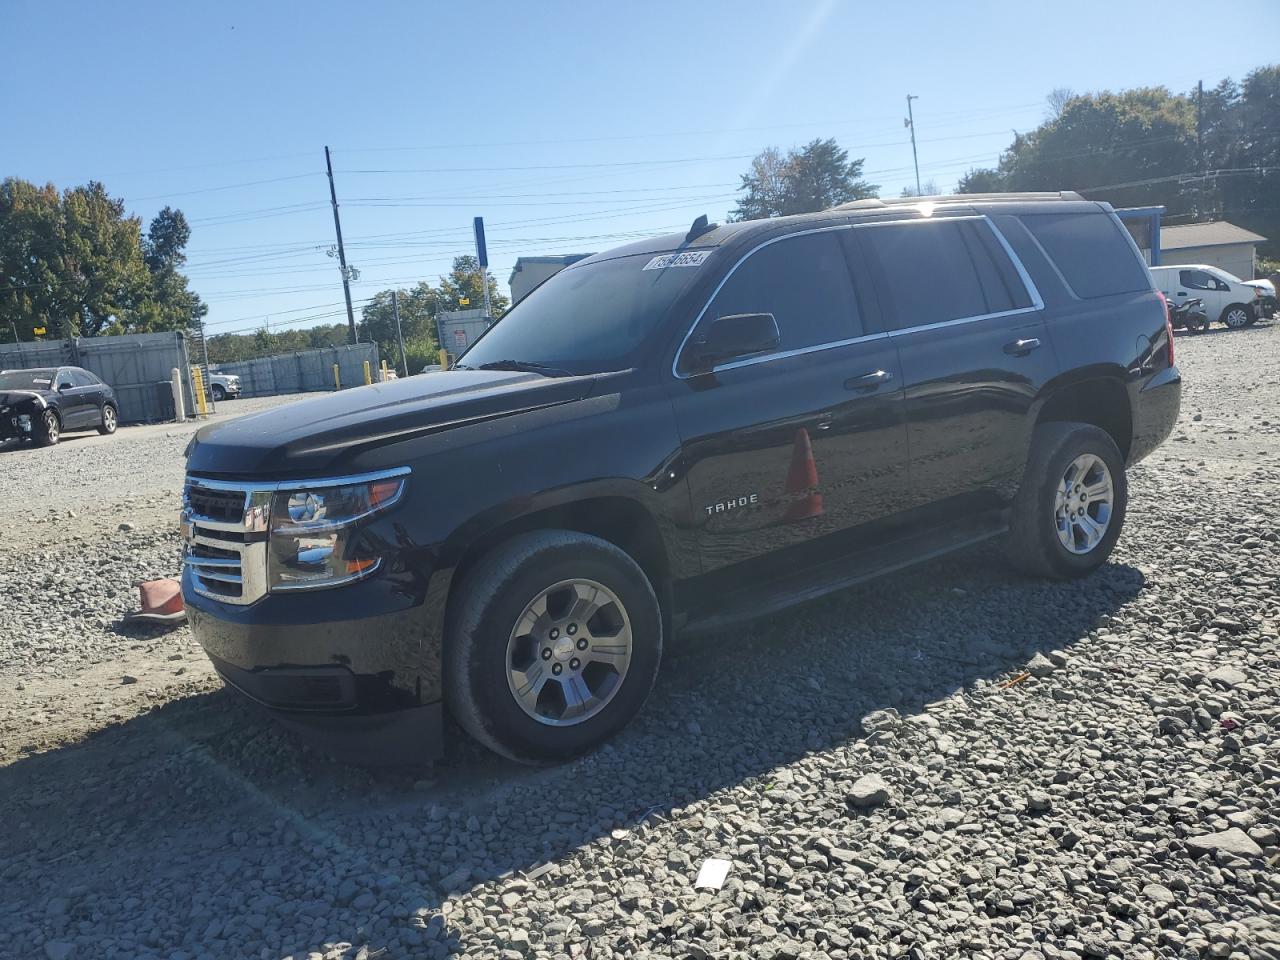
951	761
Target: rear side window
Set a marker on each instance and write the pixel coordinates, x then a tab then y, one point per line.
1199	280
1091	252
804	282
83	378
943	270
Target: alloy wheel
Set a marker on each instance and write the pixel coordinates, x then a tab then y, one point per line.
569	652
109	419
52	428
1083	503
1236	318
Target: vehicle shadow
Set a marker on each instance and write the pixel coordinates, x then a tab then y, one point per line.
1217	330
207	810
17	444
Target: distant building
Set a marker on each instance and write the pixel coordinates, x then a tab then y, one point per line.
1217	243
531	271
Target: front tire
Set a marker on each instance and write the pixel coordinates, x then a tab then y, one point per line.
110	420
48	429
1070	508
219	394
552	645
1237	316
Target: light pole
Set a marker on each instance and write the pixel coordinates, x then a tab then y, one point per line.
911	122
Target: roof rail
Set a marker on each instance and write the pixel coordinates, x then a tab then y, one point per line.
960	198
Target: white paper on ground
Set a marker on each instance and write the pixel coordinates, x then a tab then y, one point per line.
712	874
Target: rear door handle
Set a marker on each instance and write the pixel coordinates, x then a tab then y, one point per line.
868	381
1020	348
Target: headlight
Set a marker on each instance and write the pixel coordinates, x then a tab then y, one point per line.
314	527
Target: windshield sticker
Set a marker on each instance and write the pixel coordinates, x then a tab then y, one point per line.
690	258
38	382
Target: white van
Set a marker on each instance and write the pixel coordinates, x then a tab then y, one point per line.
1227	299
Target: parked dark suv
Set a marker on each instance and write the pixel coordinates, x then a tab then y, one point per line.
675	435
41	404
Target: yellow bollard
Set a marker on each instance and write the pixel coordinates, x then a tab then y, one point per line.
444	359
367	379
337	378
197	385
384	371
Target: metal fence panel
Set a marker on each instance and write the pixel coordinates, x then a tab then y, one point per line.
133	365
303	371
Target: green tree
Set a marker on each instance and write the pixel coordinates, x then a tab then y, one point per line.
1121	147
418	307
981	180
927	189
463	283
818	176
76	265
171	304
1249	146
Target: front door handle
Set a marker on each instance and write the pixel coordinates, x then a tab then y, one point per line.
868	381
1020	348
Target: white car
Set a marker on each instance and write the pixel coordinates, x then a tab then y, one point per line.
224	386
1227	298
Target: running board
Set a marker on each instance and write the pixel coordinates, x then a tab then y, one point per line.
815	582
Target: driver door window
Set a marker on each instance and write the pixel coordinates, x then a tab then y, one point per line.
804	282
1197	280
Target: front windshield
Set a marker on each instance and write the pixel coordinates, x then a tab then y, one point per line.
26	379
588	318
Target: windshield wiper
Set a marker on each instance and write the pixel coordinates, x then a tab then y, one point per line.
528	366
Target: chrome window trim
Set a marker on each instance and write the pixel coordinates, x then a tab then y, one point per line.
799	351
1032	291
251	486
962	320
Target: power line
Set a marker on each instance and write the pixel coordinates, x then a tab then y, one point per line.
226	186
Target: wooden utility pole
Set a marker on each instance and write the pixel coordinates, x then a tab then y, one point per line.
342	253
1200	145
911	122
395	309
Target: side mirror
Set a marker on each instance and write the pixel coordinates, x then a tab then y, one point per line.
64	385
735	337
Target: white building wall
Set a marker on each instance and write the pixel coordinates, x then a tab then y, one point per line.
1235	258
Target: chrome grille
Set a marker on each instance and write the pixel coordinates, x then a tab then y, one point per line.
225	529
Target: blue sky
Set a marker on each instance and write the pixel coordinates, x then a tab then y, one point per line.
569	127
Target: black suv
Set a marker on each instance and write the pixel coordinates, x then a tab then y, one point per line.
42	403
672	435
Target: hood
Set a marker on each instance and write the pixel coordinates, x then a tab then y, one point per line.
1267	286
12	398
312	436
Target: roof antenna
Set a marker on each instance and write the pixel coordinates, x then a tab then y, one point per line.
700	226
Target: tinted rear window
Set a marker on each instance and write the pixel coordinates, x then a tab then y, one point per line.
943	270
1091	252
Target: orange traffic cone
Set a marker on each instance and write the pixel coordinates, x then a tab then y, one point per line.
802	481
161	602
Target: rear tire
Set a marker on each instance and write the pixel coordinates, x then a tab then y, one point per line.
551	600
47	429
1070	508
1237	316
110	420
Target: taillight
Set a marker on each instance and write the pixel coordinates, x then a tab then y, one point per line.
1168	325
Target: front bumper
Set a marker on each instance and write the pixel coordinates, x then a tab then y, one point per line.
15	426
354	669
